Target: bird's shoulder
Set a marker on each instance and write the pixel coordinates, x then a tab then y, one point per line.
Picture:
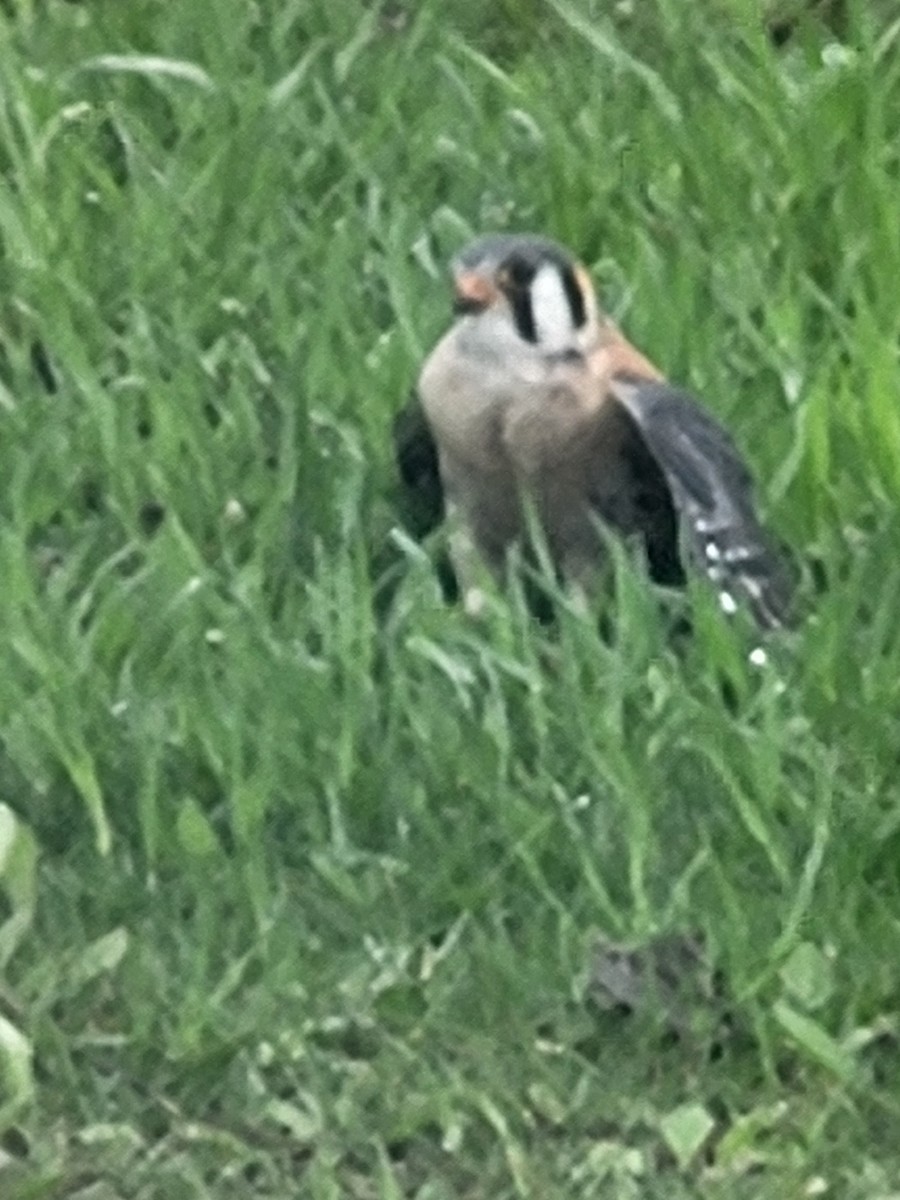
614	356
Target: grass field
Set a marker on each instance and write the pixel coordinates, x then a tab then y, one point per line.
301	872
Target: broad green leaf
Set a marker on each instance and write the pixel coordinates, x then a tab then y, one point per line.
808	975
100	957
16	1077
18	861
812	1038
195	833
685	1129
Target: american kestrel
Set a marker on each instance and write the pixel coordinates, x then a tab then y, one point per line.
534	402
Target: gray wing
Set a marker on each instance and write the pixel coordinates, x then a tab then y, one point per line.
712	493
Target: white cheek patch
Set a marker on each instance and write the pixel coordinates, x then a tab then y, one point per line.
551	310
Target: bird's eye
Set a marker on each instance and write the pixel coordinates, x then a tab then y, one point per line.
516	274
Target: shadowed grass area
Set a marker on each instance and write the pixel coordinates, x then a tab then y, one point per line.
302	872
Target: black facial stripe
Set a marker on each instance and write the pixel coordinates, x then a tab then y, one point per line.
521	271
575	296
523	314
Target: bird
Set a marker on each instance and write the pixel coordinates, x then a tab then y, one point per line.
534	407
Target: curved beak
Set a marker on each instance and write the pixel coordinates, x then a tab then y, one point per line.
473	292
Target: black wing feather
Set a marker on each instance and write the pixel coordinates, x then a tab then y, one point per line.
416	455
712	491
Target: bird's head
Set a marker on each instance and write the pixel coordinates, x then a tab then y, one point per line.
531	284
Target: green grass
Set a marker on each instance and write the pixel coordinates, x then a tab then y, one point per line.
302	870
